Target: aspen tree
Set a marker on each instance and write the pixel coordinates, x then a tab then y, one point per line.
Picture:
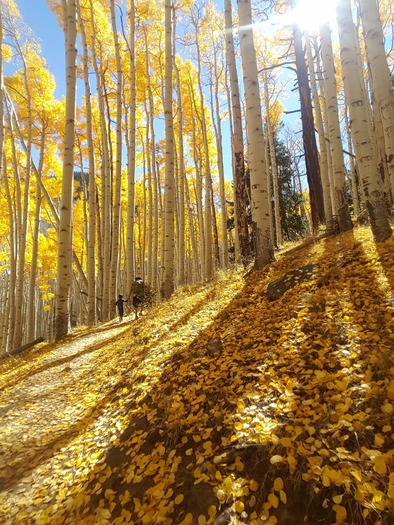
338	164
31	295
131	149
181	183
257	162
91	236
237	142
167	286
365	148
382	85
323	158
274	168
64	262
118	167
352	163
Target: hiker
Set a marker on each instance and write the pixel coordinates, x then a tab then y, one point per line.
137	293
119	304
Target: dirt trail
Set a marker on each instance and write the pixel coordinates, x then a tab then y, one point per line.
66	377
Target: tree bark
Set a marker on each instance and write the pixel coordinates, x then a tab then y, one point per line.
64	262
365	148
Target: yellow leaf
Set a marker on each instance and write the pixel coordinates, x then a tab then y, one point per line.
276	459
179	499
380	465
187	519
340	512
283	497
212	511
238	506
338	498
202	520
278	484
253	485
274	500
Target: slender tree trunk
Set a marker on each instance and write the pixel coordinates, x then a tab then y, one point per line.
131	147
254	124
324	154
352	164
167	287
338	164
308	134
366	151
382	85
237	143
115	252
64	266
91	234
274	168
31	296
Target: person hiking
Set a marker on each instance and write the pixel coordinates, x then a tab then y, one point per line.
137	293
120	305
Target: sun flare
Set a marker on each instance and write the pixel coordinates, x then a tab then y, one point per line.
310	14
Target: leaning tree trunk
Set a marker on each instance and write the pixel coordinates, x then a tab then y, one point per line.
382	84
64	258
254	124
365	148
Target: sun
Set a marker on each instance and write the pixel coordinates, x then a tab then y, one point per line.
311	14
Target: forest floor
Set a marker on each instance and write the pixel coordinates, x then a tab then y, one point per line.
218	406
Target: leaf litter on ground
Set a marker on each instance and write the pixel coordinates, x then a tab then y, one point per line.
218	406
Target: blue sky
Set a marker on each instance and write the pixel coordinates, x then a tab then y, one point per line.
37	15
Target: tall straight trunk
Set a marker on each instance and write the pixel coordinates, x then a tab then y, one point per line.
382	85
91	234
216	74
10	310
274	167
115	252
198	184
181	185
324	154
64	258
167	286
365	148
208	219
254	124
338	164
308	134
23	225
237	143
352	164
31	295
131	147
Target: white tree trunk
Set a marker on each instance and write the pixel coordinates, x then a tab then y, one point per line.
338	165
382	85
64	261
167	286
256	157
366	151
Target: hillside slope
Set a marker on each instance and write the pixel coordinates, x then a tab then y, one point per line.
220	406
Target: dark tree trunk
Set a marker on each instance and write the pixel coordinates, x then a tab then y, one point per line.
308	133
